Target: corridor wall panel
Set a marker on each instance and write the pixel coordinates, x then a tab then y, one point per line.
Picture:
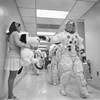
92	37
80	30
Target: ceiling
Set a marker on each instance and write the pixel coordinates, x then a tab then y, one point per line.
33	24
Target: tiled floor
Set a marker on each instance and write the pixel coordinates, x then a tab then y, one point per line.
33	87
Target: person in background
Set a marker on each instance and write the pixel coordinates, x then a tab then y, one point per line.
70	61
38	64
12	62
47	59
54	55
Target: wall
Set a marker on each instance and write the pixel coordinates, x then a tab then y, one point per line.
80	30
92	36
8	13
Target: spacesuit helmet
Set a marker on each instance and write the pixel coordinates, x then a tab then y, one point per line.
70	26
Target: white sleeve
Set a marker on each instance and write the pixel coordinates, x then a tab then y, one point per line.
56	38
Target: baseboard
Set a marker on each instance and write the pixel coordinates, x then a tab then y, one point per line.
94	86
91	85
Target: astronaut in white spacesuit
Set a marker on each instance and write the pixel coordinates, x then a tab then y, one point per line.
53	70
70	61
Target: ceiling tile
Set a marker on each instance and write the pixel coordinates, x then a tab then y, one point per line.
82	6
49	21
27	12
59	5
29	20
30	29
46	30
48	26
89	0
30	25
33	33
62	27
53	26
42	25
75	15
26	3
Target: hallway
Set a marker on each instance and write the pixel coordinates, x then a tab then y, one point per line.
33	87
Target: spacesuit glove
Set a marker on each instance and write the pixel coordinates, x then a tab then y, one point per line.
42	37
84	59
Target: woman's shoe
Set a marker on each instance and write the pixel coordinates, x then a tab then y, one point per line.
20	70
15	98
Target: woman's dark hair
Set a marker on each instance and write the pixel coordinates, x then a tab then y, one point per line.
12	28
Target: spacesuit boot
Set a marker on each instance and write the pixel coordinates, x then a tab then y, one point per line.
82	84
65	77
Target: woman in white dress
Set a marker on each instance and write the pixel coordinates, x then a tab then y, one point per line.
13	56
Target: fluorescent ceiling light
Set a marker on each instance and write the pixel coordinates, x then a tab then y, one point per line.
43	46
43	41
51	14
45	33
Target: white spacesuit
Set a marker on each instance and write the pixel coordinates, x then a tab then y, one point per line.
53	70
70	61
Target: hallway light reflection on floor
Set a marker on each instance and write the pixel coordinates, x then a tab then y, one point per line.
44	89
